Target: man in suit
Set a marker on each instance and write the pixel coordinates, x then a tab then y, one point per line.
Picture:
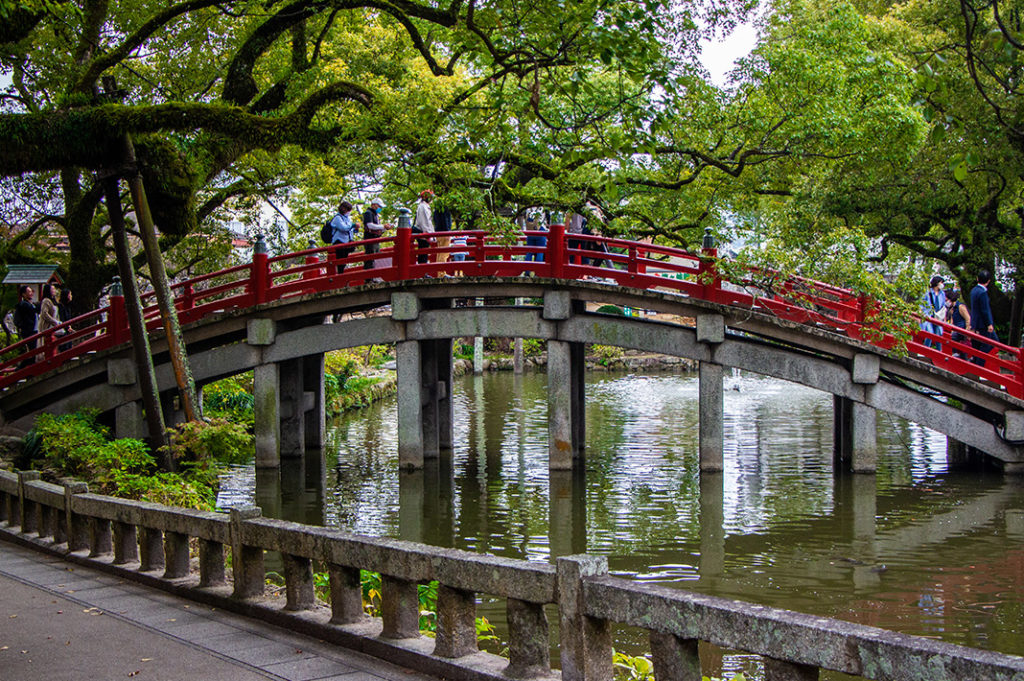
981	316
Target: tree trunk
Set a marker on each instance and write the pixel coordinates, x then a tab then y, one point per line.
165	298
140	339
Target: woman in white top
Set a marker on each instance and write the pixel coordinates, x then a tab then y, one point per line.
424	223
48	315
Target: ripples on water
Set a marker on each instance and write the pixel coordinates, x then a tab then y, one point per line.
915	548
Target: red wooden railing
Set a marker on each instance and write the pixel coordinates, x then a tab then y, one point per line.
566	256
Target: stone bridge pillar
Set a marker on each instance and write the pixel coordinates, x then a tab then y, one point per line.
566	416
855	424
302	404
266	397
288	400
424	371
711	332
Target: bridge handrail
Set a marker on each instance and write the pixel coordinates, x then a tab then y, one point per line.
132	539
640	265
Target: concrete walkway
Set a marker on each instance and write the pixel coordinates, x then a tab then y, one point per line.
64	622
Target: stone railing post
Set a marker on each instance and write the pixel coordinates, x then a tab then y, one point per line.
77	526
400	608
211	563
346	594
176	563
528	642
29	513
247	561
586	641
456	622
126	543
151	550
298	582
675	659
101	542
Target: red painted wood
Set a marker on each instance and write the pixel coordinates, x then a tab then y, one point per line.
630	264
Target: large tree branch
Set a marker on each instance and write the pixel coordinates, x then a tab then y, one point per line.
86	137
135	40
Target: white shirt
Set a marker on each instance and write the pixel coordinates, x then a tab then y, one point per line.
424	217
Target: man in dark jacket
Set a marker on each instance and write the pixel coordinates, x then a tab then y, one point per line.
981	316
25	315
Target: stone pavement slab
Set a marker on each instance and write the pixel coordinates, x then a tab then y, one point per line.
65	622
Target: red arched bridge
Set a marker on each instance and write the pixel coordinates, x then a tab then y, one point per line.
798	329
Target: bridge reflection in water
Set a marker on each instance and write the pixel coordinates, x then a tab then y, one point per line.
915	548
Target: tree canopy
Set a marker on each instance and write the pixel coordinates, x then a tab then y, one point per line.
880	129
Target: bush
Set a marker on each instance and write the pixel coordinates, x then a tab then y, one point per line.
611	309
533	347
75	445
606	353
231	399
214	441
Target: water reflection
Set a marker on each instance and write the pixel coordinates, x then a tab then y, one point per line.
916	548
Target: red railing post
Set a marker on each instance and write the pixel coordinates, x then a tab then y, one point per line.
707	272
311	273
117	318
555	254
188	296
259	279
403	244
479	252
633	265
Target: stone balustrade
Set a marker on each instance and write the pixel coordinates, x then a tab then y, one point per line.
150	543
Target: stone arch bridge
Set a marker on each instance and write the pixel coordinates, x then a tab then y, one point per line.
271	317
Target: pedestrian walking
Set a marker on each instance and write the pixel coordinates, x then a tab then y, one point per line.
934	311
423	224
343	231
981	316
373	229
960	317
26	313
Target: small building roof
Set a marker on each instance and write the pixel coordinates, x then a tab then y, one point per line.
30	274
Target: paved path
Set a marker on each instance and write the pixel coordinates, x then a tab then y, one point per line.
64	622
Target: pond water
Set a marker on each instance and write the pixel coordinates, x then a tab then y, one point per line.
917	548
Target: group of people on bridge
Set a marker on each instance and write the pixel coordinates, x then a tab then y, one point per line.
974	313
30	317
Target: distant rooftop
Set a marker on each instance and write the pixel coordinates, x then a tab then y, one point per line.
30	274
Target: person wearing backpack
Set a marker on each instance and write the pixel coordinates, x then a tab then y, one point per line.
373	229
343	231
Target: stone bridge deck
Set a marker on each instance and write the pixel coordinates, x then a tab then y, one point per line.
68	622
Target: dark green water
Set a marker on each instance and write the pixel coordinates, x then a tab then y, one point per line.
916	548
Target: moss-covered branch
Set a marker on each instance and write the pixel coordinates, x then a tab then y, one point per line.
87	137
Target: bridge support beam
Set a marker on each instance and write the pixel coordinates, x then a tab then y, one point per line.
129	421
293	417
855	436
712	417
267	412
315	427
710	331
566	417
424	371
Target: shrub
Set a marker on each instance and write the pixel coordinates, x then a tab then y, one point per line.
606	353
75	445
611	309
533	347
231	399
214	441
